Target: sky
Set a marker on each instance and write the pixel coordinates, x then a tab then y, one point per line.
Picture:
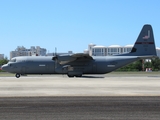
70	25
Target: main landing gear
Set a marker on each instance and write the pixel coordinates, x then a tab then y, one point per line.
17	75
74	75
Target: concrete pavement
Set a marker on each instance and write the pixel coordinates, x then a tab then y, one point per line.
59	85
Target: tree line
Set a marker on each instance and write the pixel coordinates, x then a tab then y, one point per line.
141	65
3	61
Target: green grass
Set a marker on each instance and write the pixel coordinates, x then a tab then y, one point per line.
6	74
136	72
140	73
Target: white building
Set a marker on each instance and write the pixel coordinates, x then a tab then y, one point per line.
114	50
1	56
90	46
22	51
158	51
86	51
99	51
127	48
95	50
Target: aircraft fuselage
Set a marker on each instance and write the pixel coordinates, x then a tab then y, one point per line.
45	65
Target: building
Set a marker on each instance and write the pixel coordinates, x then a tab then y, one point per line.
158	51
114	49
127	48
99	51
107	51
95	50
33	51
1	56
90	46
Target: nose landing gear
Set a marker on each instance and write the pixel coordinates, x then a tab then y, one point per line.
17	75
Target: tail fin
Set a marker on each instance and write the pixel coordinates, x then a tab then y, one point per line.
145	45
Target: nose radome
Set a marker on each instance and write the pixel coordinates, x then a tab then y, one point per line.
5	67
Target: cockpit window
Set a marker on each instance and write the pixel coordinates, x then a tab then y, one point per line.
13	60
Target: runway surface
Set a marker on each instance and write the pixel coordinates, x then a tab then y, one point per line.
58	85
109	97
80	108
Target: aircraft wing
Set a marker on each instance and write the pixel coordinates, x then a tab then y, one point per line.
82	55
63	59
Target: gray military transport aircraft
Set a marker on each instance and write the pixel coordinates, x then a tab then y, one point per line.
80	63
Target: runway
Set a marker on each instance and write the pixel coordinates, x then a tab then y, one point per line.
98	97
80	108
61	85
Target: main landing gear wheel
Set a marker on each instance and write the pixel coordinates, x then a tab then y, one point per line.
17	75
74	75
70	75
78	75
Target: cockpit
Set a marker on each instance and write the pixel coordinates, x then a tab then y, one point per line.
7	66
13	60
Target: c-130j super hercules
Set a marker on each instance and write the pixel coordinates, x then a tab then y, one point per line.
80	63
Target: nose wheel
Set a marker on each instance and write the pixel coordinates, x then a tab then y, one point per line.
17	75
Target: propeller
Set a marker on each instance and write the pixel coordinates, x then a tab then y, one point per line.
55	58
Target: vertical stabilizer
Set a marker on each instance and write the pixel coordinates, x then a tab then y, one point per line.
145	45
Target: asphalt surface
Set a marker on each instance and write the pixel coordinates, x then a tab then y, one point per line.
108	97
35	86
80	108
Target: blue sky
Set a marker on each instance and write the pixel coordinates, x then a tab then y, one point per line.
73	24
